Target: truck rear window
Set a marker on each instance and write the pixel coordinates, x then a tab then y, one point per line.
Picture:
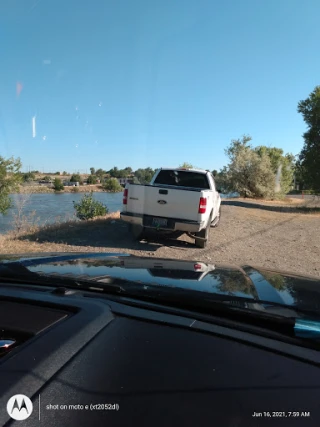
182	179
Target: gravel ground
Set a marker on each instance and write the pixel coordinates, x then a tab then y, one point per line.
275	240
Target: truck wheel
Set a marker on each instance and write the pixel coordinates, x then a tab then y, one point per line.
216	221
137	231
204	234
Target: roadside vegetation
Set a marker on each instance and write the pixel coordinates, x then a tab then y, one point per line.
112	185
57	184
89	208
10	178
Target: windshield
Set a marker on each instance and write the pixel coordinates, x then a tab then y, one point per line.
97	97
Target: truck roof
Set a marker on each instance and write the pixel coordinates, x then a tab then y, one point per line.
186	169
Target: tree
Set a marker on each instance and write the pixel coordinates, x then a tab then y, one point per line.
92	171
299	174
10	178
214	172
76	178
309	158
92	179
89	208
28	177
186	165
283	167
100	173
112	185
57	184
114	172
144	176
47	178
128	170
223	180
248	173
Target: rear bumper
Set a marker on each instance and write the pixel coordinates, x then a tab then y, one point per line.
175	224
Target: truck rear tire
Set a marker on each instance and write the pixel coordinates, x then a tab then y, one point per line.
204	235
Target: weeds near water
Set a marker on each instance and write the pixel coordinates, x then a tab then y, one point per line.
20	221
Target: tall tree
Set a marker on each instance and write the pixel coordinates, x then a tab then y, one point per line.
10	178
283	167
248	173
144	176
100	173
309	158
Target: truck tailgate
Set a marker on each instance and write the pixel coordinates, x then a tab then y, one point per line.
168	202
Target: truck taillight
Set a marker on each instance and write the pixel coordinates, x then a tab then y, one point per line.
202	205
125	196
197	267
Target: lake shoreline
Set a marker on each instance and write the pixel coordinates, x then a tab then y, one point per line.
67	189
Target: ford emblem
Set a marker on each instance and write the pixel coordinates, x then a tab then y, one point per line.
162	202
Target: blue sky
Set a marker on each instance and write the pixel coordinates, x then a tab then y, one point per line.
152	83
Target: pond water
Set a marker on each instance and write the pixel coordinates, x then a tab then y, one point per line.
57	206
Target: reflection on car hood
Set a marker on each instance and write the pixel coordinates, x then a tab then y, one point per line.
246	281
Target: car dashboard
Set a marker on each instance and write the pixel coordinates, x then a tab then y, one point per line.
88	358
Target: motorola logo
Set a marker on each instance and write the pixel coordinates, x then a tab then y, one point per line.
19	407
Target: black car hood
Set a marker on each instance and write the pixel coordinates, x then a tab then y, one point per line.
245	281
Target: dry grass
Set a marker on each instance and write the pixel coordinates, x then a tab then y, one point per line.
52	237
34	189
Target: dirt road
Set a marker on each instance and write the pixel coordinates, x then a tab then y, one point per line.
286	241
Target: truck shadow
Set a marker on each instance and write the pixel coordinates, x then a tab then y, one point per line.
102	233
169	240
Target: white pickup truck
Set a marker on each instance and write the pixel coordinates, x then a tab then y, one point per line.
176	200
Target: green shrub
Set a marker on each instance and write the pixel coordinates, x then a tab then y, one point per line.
112	185
75	189
28	177
92	179
76	178
57	184
89	208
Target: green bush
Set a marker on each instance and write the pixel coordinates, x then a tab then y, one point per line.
75	189
92	179
57	184
28	177
76	178
89	208
112	185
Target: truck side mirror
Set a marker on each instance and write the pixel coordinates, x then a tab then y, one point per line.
219	190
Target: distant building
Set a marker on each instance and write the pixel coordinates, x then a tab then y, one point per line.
124	181
70	184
